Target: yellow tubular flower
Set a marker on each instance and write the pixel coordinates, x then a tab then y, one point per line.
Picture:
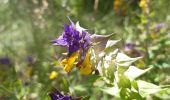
68	63
86	67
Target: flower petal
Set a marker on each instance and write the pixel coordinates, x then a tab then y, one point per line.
86	67
60	41
55	95
69	62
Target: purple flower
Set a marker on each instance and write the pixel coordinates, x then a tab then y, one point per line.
5	61
30	59
78	41
56	95
129	46
130	49
158	27
74	38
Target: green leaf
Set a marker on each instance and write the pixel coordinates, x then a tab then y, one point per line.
114	91
127	94
110	73
135	85
124	94
134	72
124	60
85	98
135	96
99	38
99	42
79	88
111	43
146	88
122	69
123	81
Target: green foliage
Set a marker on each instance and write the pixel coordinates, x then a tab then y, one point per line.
28	26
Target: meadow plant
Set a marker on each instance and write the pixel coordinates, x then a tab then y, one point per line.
95	55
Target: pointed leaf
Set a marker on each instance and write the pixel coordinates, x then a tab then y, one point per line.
134	72
146	88
99	42
114	91
123	81
111	43
99	38
124	60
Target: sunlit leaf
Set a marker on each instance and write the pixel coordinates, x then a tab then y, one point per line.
134	72
146	88
123	81
99	42
111	43
99	38
80	88
124	60
134	85
114	91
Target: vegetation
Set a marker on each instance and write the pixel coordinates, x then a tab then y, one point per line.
120	50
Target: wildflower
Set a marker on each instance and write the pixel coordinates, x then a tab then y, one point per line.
77	42
30	60
129	46
73	38
53	75
56	95
116	5
131	50
144	5
5	61
119	7
157	28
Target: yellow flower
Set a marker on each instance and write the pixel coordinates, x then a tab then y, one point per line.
68	63
53	75
86	67
154	35
143	4
116	5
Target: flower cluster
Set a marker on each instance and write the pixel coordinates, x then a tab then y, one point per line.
77	42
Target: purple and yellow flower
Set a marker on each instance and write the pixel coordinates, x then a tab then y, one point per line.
77	42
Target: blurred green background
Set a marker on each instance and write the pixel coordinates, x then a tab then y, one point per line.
27	56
